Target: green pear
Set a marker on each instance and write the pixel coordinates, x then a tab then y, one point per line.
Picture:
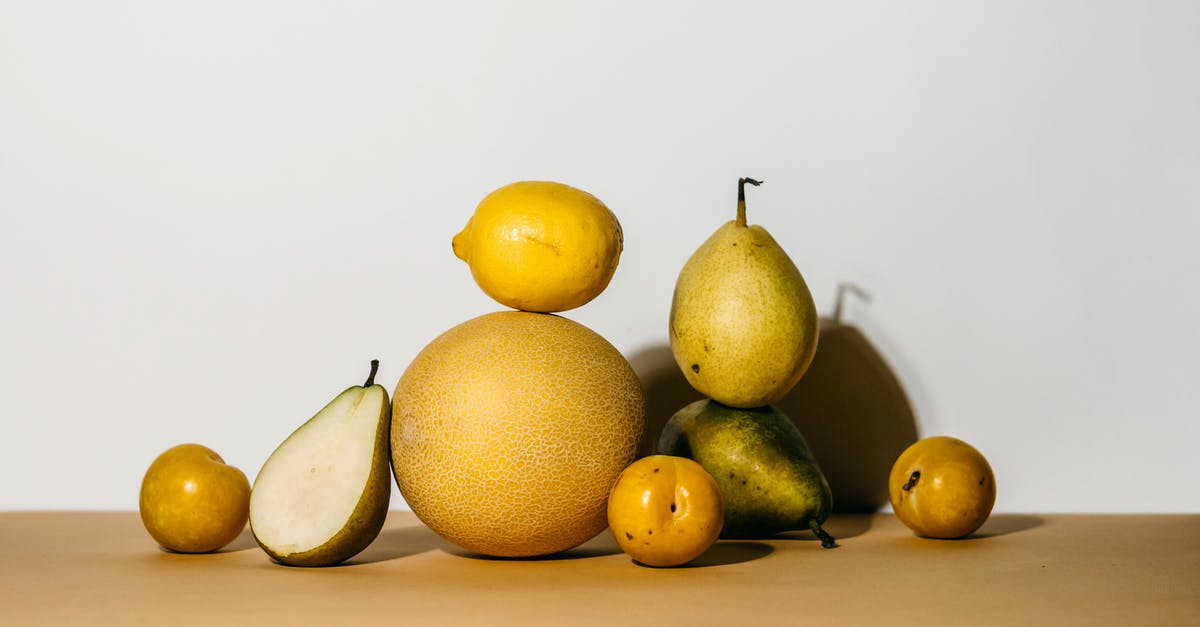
743	323
322	496
768	478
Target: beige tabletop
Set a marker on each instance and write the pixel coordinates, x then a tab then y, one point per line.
102	568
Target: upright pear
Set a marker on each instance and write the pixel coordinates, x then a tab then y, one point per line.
743	323
322	496
768	478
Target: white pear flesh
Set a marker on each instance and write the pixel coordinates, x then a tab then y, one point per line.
309	489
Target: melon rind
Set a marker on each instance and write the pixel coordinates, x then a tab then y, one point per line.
509	430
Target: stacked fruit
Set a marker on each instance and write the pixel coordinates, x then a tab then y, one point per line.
509	429
743	330
512	434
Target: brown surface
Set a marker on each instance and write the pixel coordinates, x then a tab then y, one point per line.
1063	569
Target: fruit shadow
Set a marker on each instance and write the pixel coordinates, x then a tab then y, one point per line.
996	525
840	526
855	414
666	389
1005	524
850	407
726	552
600	546
399	542
244	541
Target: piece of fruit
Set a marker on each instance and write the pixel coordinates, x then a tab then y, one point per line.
853	412
942	487
509	430
743	323
322	496
541	246
665	511
192	501
768	478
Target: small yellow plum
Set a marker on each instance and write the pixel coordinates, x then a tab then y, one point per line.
665	510
942	487
192	501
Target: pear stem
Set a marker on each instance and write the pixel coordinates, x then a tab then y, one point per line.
371	377
827	541
912	480
741	204
842	288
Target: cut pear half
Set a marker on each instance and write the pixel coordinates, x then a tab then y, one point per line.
322	496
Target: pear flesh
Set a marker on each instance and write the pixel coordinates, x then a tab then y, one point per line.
322	496
768	478
743	322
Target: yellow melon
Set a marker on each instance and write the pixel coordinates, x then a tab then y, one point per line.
509	430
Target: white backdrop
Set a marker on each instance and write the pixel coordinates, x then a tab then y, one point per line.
213	215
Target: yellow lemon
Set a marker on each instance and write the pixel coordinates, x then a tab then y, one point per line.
192	501
541	246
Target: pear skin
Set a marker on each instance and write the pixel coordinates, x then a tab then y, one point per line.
768	478
743	323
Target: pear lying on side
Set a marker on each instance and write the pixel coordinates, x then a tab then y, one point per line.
767	476
322	496
743	323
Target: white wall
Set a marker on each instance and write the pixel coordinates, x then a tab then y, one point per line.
212	215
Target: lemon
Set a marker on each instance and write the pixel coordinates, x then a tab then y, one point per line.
541	246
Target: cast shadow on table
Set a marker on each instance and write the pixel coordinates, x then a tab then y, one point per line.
398	542
850	406
840	526
724	553
244	541
601	545
390	544
1005	524
403	542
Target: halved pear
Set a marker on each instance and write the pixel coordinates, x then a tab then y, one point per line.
322	496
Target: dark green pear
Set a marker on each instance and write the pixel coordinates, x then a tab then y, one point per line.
768	477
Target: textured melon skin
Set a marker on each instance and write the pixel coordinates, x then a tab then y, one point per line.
509	430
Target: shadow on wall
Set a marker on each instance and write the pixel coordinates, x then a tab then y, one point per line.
849	405
855	415
667	391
